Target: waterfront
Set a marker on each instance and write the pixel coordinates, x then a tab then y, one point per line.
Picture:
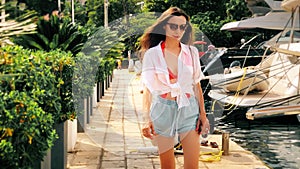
112	138
274	141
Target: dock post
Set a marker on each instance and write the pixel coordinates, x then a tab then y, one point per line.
225	143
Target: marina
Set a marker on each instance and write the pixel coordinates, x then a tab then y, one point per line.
72	94
264	88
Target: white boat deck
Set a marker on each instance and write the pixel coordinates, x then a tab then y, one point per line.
250	100
273	111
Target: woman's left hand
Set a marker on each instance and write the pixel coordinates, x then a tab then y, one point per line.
205	126
202	125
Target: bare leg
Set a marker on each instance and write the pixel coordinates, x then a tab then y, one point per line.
166	152
191	149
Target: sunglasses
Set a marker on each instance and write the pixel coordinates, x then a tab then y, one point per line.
174	27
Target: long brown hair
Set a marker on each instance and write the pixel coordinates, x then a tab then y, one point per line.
156	33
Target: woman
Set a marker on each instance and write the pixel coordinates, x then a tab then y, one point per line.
172	97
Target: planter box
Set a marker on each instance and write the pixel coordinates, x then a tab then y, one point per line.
72	134
59	150
81	117
46	163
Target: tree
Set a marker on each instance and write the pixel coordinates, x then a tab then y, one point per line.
42	7
132	29
209	16
236	10
210	27
54	34
117	9
190	7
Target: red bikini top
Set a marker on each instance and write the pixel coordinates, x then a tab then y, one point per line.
171	74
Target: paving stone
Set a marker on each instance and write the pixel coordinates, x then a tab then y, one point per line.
139	163
112	164
86	159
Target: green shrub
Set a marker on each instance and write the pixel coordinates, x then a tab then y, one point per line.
84	76
33	88
26	130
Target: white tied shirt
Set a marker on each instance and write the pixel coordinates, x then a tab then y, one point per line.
155	73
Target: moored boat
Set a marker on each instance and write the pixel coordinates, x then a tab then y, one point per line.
278	74
281	81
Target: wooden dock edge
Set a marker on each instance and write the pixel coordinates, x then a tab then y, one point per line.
238	157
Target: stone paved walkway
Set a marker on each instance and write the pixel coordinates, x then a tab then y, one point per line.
113	136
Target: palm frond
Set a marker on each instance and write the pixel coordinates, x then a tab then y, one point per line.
21	25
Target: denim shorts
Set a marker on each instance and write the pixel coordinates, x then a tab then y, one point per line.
167	119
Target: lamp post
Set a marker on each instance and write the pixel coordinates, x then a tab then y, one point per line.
59	6
3	11
72	11
106	13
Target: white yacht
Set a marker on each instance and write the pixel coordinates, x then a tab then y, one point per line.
272	87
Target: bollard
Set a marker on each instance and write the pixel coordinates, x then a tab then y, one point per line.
225	143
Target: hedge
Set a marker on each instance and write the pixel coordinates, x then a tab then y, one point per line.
38	89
